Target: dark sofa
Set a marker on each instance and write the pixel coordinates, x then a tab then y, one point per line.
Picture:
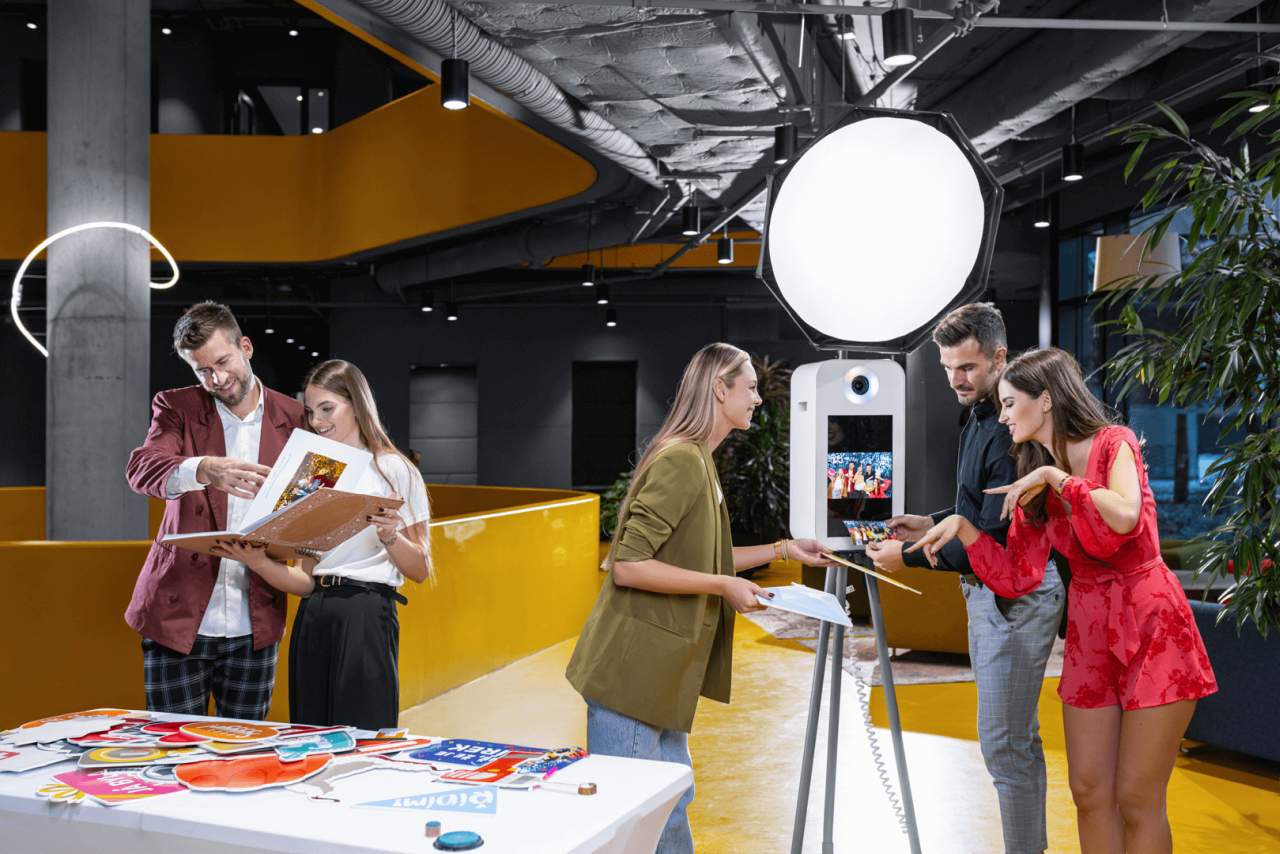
1244	715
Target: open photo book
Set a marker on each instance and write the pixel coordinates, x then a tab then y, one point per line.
307	503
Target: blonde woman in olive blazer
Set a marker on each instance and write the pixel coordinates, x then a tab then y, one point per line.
661	632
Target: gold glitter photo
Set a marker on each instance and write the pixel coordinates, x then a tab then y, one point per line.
315	471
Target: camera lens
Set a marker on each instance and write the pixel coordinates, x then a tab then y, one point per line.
860	385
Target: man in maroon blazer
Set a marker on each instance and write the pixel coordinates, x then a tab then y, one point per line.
208	625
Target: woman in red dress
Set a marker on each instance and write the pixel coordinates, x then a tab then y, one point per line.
1134	661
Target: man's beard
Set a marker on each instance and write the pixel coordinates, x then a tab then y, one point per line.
243	385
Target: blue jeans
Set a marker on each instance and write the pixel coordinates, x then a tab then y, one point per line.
612	734
1009	645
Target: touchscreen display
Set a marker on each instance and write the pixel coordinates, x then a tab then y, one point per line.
859	476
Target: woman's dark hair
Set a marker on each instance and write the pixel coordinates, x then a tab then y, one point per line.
1076	413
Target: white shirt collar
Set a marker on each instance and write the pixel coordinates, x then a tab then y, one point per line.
253	417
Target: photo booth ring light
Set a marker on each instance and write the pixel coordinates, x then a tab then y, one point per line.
876	228
15	299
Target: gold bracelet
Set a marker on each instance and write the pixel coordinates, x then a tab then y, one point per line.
1063	483
786	554
777	550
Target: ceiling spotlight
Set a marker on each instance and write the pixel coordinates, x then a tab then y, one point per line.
611	318
724	250
270	330
427	305
302	347
602	294
1072	161
293	34
899	30
588	275
319	93
785	138
455	84
317	130
298	99
32	25
451	312
691	219
166	31
1255	77
288	340
314	354
1042	220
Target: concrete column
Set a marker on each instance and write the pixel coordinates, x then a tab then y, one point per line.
99	316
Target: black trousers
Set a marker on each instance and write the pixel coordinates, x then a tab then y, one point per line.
343	653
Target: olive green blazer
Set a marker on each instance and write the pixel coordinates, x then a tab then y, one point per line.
650	655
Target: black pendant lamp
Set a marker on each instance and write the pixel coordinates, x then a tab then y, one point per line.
610	318
1043	219
1073	155
1255	76
691	220
455	77
588	275
899	29
724	248
451	312
785	139
602	294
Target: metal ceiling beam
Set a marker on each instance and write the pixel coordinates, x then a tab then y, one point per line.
754	7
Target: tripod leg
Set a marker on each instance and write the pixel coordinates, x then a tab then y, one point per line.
811	728
833	723
895	727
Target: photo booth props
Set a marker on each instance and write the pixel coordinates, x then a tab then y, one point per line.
120	757
798	599
249	773
233	732
320	787
484	762
128	733
870	572
391	745
170	733
61	727
27	757
481	799
325	742
111	787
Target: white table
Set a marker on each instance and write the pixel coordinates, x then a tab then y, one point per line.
626	815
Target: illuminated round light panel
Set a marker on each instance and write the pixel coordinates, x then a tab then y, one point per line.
875	229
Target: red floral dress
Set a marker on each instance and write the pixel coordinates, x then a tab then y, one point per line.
1131	638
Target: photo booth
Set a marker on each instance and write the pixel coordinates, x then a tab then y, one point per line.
886	221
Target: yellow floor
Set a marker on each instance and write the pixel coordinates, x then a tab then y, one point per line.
747	759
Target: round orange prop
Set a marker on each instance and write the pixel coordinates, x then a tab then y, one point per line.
249	772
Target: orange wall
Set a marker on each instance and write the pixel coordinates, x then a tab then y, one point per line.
408	169
512	580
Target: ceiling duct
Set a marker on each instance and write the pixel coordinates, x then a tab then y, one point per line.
432	22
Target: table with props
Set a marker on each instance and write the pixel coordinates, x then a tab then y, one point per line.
119	780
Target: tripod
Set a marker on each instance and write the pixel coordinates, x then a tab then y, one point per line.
837	584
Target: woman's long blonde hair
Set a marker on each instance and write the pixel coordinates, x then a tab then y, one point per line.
692	416
347	381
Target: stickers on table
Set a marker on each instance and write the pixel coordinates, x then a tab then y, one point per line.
170	733
111	787
481	799
61	727
468	753
128	733
391	745
249	773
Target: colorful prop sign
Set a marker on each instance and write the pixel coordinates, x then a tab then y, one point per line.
390	745
230	731
249	773
170	732
325	742
108	757
472	754
111	788
482	799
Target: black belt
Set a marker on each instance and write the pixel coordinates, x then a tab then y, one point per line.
328	582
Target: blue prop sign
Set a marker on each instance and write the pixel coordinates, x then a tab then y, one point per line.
478	799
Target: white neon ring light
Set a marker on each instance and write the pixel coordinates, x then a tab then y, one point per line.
15	299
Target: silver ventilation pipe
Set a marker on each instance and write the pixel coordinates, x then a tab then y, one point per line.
432	23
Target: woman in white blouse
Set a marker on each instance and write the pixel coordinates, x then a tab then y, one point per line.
346	635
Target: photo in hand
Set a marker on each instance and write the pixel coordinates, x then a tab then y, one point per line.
859	474
313	473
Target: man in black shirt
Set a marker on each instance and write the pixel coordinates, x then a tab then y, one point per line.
1009	639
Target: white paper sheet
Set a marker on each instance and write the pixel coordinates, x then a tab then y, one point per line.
301	443
807	602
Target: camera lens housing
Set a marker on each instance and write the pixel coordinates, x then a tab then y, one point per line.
861	384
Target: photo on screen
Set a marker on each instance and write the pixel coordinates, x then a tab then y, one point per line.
859	472
867	532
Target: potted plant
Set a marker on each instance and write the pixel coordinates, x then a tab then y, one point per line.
1210	334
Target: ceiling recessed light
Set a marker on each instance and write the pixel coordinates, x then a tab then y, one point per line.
32	25
293	34
166	31
288	340
319	93
298	98
314	354
317	130
270	330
